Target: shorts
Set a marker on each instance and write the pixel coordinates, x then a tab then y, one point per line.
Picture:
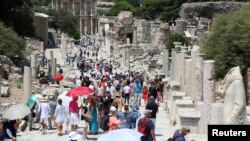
137	96
85	124
44	121
74	119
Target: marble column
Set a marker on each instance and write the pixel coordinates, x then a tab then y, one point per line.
128	40
91	25
177	62
187	76
85	26
199	78
53	68
135	36
33	66
80	26
172	66
124	56
194	53
51	55
184	51
27	80
165	61
208	87
0	91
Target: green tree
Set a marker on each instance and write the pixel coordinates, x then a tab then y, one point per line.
10	44
151	9
228	43
121	6
18	15
65	22
175	37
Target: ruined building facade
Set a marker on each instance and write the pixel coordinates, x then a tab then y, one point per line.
86	11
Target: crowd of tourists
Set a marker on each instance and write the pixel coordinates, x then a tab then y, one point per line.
115	103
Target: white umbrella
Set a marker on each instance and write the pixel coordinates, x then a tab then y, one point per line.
121	135
16	112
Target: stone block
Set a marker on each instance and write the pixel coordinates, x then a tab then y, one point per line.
189	117
248	110
5	91
216	113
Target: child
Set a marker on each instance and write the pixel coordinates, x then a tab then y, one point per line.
145	94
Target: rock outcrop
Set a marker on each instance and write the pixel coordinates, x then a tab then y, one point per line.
208	9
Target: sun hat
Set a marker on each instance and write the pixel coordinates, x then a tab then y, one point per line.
74	136
113	108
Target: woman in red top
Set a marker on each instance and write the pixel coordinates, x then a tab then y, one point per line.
145	94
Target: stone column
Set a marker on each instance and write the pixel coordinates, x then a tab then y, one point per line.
128	40
33	66
85	7
124	56
199	78
53	68
135	36
27	80
80	26
51	55
177	62
85	26
0	91
172	69
184	51
187	76
165	61
208	87
194	53
91	25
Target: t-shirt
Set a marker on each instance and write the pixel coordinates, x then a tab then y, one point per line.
153	107
126	89
150	126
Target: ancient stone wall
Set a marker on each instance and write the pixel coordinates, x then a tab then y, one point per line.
207	9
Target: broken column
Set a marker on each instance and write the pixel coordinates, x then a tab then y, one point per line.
184	51
165	61
194	53
27	82
33	66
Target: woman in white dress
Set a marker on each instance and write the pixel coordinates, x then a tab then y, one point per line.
59	117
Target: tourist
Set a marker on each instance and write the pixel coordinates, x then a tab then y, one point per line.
59	117
126	93
152	90
52	105
149	131
44	111
113	121
179	135
9	129
74	113
160	87
93	127
85	117
145	94
125	116
137	90
151	105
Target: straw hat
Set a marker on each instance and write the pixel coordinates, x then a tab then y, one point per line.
43	99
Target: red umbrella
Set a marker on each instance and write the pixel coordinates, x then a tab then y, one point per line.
58	77
78	91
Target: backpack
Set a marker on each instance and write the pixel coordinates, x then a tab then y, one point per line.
104	123
60	71
142	126
135	115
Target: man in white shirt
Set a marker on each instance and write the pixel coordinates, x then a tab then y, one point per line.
44	111
126	93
